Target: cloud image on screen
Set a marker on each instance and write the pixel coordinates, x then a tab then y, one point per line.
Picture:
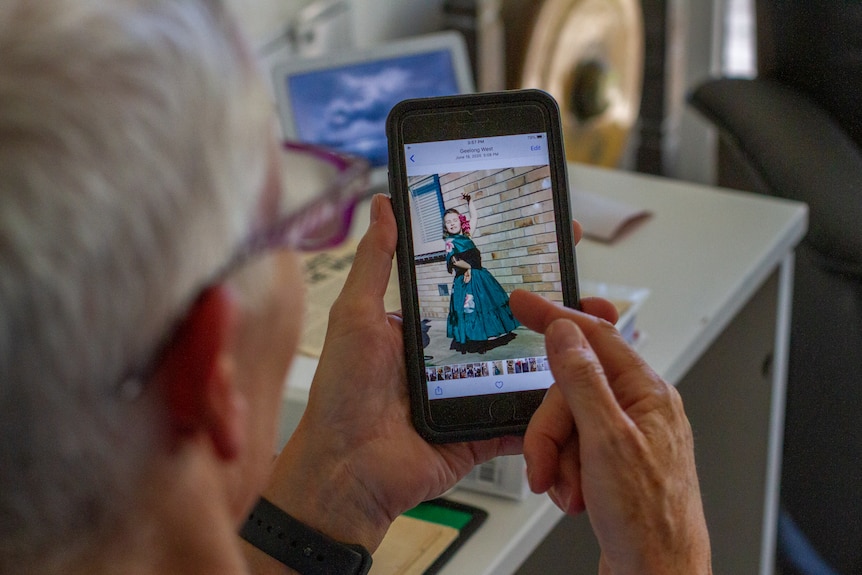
346	108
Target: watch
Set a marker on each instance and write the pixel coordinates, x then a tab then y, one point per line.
300	547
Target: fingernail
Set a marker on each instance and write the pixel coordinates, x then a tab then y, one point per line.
564	335
531	480
375	208
558	500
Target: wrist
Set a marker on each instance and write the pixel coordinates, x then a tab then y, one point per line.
691	556
297	546
260	563
321	492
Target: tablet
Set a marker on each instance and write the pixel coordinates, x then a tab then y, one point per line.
341	100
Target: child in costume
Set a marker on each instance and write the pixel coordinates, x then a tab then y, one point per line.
479	315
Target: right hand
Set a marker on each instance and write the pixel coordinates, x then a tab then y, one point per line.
612	437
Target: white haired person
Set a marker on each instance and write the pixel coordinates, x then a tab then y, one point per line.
150	299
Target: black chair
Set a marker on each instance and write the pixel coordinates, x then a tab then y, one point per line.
795	132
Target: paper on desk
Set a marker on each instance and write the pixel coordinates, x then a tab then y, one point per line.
324	273
604	218
411	546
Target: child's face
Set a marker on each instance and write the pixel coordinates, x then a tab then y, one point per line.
452	223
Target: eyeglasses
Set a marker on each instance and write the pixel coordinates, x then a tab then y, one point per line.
319	193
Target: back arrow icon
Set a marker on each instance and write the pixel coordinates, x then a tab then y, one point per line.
411	158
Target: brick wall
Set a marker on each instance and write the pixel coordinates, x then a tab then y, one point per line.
516	233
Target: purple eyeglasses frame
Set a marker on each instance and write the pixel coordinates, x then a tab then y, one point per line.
336	203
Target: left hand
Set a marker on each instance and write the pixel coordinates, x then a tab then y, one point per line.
355	461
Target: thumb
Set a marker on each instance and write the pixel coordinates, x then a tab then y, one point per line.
369	275
580	376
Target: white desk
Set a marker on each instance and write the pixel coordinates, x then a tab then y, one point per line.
719	267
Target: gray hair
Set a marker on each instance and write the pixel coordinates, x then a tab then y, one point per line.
133	144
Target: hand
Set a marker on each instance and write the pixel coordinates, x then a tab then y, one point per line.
611	437
355	461
468	275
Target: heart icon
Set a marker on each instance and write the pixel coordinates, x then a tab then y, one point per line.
498	384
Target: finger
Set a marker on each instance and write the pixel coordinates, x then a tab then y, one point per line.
617	357
536	312
369	275
550	428
577	231
487	449
567	498
604	568
600	307
580	377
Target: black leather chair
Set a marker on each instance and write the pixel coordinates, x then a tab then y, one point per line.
795	131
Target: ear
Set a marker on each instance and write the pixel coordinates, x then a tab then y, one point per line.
197	379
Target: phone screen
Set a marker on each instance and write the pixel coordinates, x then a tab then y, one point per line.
483	224
479	188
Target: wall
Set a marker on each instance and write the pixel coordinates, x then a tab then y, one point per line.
515	233
379	20
374	21
692	140
265	19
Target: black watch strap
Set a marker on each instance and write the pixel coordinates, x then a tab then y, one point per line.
300	547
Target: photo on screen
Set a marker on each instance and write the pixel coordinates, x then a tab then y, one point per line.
478	235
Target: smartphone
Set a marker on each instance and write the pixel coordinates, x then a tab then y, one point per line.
479	188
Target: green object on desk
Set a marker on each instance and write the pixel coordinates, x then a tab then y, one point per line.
434	512
465	518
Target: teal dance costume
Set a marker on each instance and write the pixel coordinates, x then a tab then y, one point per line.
479	309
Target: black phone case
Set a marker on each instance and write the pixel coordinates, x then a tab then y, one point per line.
420	407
